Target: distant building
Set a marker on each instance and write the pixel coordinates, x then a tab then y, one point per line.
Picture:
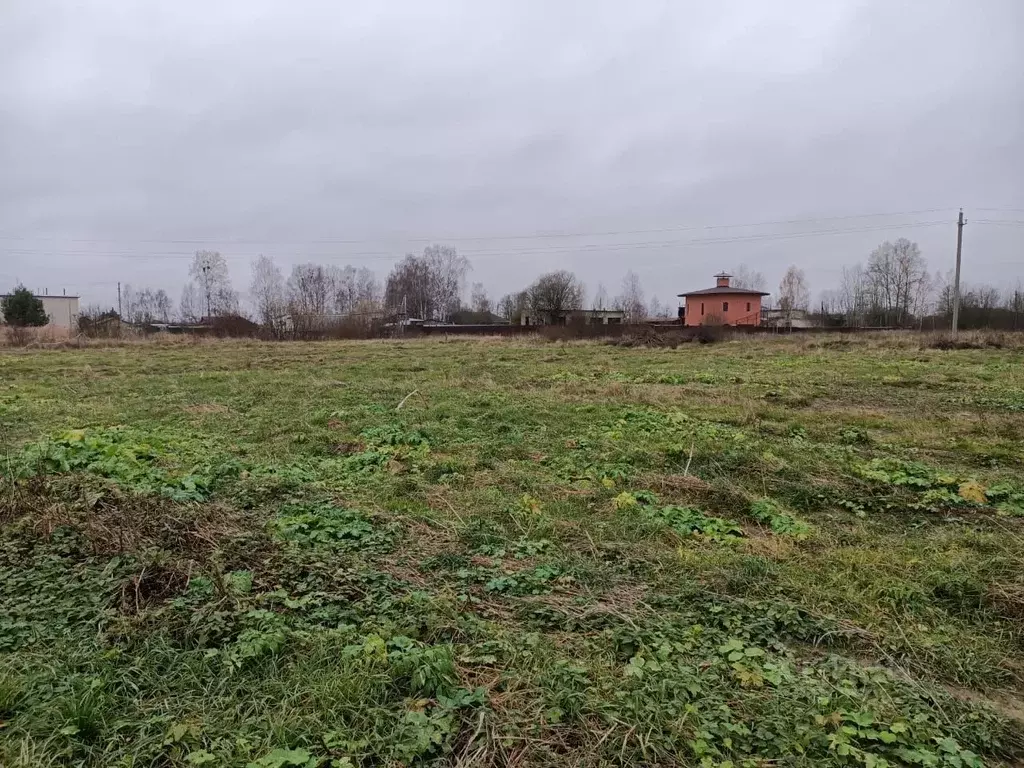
469	317
779	318
722	305
570	316
61	310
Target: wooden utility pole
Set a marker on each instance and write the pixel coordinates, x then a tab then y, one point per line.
118	299
956	279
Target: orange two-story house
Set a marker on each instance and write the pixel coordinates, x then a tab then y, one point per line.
722	305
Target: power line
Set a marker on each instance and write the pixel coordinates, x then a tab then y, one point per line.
479	238
499	252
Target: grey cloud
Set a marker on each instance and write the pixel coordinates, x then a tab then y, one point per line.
280	124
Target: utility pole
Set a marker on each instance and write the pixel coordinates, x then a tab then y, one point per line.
956	280
206	284
119	299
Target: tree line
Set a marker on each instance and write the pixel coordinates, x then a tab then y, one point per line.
430	286
892	288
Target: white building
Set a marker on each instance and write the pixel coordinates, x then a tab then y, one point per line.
62	311
779	318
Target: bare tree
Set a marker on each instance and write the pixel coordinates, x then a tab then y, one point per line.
830	303
898	280
448	273
479	301
1015	304
408	289
942	293
631	300
209	271
368	290
659	311
192	304
129	304
793	293
852	296
267	289
512	306
555	294
163	306
745	277
428	286
355	290
311	290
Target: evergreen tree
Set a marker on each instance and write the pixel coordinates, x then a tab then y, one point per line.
21	308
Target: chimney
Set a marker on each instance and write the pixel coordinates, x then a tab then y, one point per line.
723	280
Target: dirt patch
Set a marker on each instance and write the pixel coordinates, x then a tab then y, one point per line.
664	483
1007	599
346	449
206	408
625	601
688	489
758	541
1007	704
422	541
151	585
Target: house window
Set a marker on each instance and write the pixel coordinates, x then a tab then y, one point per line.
702	307
725	306
748	306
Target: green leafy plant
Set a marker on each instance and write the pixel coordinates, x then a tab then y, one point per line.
687	521
768	512
144	464
330	527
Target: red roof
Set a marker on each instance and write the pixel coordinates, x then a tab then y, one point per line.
724	289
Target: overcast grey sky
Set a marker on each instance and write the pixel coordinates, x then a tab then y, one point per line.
133	133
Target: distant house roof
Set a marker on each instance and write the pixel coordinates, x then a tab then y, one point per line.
44	296
724	289
588	312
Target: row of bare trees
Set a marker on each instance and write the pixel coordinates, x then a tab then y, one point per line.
312	296
892	288
430	286
145	305
558	293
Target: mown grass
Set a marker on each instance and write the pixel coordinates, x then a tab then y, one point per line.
760	552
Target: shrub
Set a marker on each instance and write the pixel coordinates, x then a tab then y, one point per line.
21	308
710	334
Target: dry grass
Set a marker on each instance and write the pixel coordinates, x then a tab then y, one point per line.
115	522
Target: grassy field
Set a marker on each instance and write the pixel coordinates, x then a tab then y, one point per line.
477	552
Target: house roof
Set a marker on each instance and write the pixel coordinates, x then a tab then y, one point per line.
44	296
724	289
582	311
